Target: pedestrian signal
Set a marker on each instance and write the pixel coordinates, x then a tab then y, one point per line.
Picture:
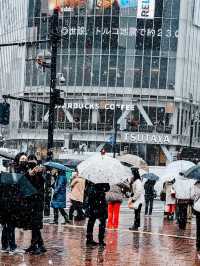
4	113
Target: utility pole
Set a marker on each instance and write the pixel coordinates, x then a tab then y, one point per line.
52	104
115	132
54	44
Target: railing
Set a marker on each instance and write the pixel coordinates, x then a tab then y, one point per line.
104	127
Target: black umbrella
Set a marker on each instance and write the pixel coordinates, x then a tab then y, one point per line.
25	187
151	176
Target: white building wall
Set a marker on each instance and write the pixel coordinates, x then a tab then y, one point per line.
13	28
188	53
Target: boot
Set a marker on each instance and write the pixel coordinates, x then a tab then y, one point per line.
91	242
30	249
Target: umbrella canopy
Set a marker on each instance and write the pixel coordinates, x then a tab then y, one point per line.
72	163
193	172
151	176
25	187
58	166
103	169
134	160
173	169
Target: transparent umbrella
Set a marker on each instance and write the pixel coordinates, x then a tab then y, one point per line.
193	172
173	169
134	161
103	169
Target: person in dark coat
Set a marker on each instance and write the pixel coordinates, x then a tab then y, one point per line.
58	202
35	206
149	196
10	216
97	208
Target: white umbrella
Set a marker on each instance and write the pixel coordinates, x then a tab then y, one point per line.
173	169
103	169
134	160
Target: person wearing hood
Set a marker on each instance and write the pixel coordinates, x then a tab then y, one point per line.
149	196
97	208
138	197
196	208
183	189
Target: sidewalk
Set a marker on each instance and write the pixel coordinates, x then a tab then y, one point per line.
159	242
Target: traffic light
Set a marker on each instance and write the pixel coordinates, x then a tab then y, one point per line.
57	99
4	113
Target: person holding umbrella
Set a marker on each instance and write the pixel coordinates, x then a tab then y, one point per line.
97	208
150	192
58	202
10	196
35	206
193	173
100	171
183	188
138	197
196	207
114	198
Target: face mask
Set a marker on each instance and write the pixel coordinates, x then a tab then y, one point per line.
32	165
23	163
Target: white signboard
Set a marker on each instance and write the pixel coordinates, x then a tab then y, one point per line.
146	9
96	106
146	138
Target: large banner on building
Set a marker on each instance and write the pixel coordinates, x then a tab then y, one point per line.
146	9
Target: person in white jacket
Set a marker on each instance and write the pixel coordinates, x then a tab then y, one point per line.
183	189
137	198
196	207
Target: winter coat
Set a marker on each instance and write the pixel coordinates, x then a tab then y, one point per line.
77	187
196	196
97	206
183	188
149	189
16	208
114	195
138	193
59	195
168	189
34	205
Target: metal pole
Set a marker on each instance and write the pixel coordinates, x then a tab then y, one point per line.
54	44
52	104
115	133
191	120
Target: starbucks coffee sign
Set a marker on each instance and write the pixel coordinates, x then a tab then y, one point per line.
147	138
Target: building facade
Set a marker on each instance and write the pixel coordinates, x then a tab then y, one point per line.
132	63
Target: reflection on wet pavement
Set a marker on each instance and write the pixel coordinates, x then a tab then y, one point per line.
159	242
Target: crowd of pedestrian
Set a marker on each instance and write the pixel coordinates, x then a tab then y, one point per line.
88	200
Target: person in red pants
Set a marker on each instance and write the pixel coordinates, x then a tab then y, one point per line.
114	198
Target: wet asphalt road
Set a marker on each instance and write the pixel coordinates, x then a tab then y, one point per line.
158	242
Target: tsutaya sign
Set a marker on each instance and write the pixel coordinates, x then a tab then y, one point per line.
147	138
97	106
146	9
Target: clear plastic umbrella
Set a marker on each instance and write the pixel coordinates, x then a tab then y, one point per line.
173	169
193	172
134	161
103	169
